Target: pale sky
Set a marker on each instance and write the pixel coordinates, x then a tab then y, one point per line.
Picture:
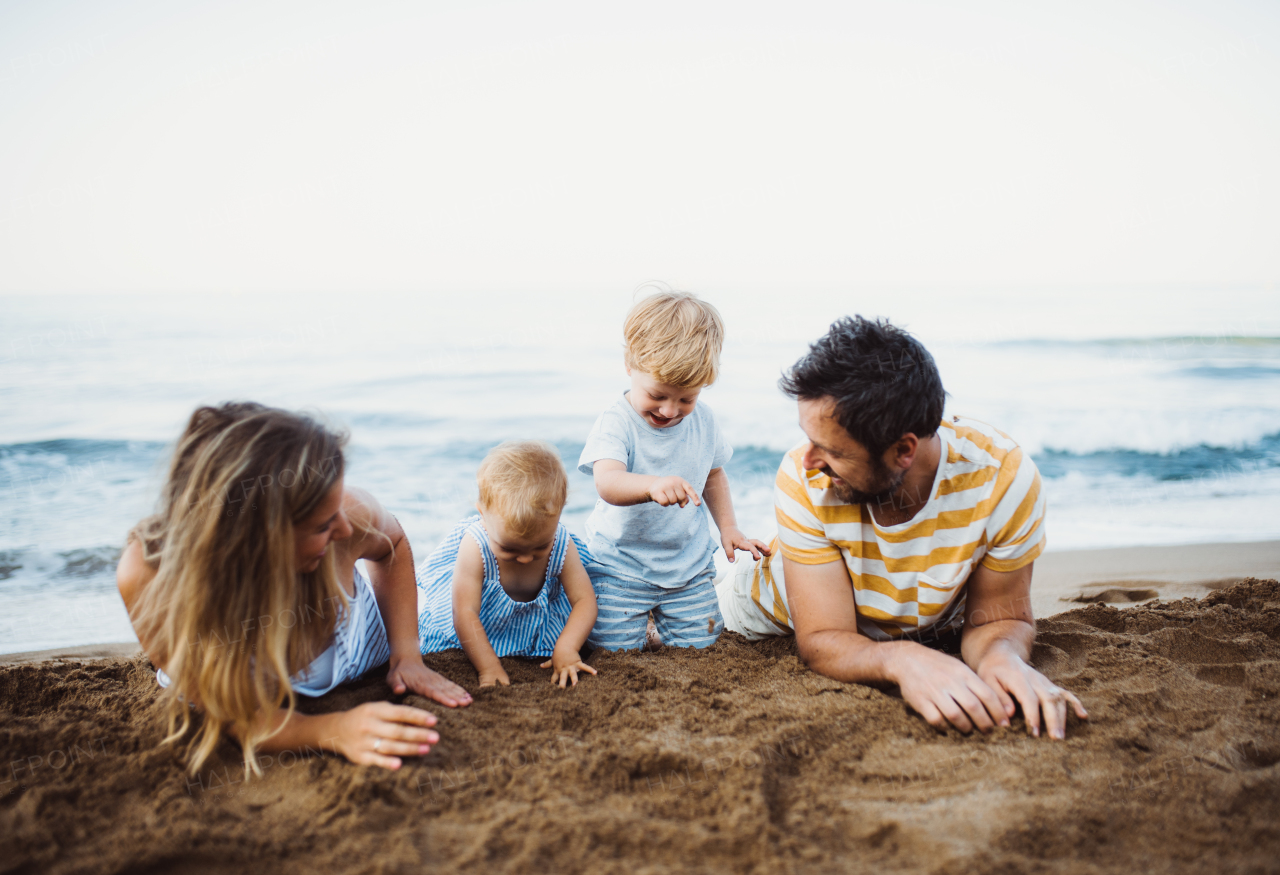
382	146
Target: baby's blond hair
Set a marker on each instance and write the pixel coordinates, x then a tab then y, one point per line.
675	338
524	483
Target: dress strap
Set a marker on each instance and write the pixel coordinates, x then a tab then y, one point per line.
555	562
475	528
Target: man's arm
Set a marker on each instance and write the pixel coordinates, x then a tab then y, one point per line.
941	688
998	633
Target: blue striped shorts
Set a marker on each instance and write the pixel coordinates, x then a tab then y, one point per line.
686	616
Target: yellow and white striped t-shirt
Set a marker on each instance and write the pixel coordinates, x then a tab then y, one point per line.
986	508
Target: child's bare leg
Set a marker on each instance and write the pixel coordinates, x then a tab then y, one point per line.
651	639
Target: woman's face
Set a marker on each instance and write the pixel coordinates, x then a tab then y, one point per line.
327	523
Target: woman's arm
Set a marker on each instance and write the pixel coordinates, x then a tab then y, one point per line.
381	542
468	588
353	733
565	662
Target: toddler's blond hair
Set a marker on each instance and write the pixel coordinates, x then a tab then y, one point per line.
675	338
524	483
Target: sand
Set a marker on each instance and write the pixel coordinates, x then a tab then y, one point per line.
736	758
1124	575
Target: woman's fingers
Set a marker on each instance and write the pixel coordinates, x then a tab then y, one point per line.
377	759
440	689
393	713
400	732
401	748
1077	706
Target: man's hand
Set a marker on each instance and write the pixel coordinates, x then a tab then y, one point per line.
667	491
945	690
733	539
491	677
565	665
408	673
1011	678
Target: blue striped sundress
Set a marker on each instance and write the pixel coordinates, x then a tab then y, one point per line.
359	644
527	629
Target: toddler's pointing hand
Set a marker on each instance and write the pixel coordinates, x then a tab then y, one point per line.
667	491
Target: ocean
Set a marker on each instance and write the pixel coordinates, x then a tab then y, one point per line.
1153	413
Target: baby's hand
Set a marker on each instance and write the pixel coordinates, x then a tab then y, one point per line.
732	539
494	677
667	491
565	666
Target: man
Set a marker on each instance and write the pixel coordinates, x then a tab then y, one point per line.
898	531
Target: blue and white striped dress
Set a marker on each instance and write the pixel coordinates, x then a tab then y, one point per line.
527	629
359	644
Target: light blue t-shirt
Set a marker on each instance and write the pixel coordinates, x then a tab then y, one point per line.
666	546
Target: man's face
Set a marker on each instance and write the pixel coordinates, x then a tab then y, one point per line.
857	477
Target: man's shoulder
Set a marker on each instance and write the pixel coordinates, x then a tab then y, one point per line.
975	441
984	465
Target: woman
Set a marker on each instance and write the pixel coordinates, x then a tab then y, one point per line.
243	591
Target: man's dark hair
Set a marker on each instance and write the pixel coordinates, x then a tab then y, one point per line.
883	381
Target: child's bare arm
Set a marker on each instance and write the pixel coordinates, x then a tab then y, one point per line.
565	663
621	488
720	503
468	584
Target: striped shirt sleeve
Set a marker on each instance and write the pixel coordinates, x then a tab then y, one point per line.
800	532
1015	530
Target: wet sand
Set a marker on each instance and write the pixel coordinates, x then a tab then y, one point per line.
736	758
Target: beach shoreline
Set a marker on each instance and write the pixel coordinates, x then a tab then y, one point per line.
1063	580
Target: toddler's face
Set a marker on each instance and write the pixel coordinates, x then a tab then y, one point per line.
509	547
659	404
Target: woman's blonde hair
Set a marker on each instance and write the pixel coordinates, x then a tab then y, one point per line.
228	614
524	483
675	338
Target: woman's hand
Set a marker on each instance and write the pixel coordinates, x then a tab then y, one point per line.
491	677
408	673
565	665
380	733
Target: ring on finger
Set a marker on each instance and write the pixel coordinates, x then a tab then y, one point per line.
377	744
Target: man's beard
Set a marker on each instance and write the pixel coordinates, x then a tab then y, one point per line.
887	484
